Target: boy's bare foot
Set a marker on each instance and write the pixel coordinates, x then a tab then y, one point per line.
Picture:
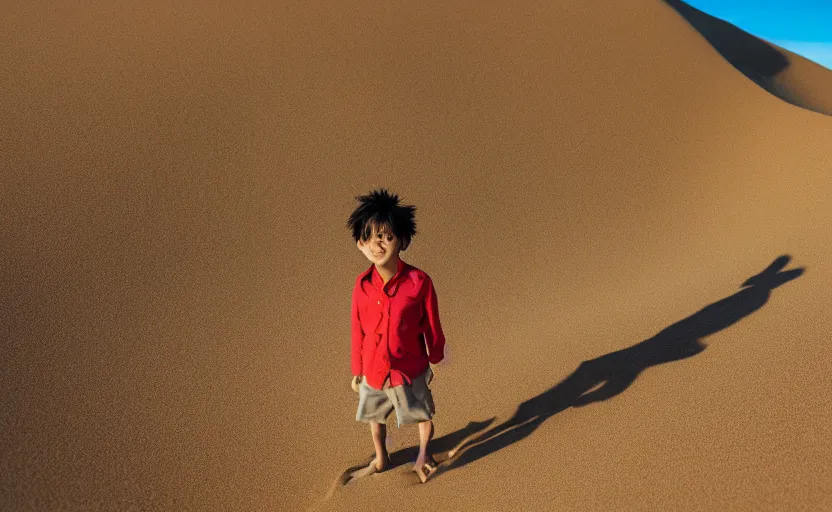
382	463
425	467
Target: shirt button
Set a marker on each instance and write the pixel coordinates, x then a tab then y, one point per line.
379	302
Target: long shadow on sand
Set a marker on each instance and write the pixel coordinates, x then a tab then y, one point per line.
607	376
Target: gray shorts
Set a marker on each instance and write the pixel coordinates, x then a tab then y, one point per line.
412	404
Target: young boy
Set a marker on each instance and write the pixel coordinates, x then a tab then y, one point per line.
396	333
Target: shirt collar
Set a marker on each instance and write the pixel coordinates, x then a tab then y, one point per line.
373	276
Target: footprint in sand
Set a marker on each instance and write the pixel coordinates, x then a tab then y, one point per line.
368	467
441	460
349	476
354	473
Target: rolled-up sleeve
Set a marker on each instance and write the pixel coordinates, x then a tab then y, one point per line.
434	337
357	332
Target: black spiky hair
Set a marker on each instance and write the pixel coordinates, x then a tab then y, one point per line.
382	210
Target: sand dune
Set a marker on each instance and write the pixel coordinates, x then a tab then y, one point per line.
804	83
596	185
783	73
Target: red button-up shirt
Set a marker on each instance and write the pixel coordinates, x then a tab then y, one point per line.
395	326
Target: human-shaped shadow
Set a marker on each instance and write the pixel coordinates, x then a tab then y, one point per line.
607	376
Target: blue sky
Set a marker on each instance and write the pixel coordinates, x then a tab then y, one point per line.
801	26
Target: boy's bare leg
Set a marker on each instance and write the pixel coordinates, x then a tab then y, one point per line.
379	436
425	435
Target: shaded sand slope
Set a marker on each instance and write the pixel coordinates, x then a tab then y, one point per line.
176	272
783	73
804	83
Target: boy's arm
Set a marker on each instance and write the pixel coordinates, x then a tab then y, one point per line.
357	335
434	337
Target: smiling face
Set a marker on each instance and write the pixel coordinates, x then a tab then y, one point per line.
382	247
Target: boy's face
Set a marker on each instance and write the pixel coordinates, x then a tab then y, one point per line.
381	247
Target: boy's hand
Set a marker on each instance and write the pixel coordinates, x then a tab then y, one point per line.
356	380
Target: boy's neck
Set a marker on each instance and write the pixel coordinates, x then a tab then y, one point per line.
389	270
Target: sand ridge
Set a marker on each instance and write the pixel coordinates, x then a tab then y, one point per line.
590	179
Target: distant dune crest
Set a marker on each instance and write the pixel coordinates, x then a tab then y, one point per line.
784	74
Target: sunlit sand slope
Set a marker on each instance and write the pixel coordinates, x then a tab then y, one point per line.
595	185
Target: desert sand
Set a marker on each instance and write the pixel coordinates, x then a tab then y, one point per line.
596	183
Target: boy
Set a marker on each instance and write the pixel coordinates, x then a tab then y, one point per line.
396	334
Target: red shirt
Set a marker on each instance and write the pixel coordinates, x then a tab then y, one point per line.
395	326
